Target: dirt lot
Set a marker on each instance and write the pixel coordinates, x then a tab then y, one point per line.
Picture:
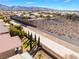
64	29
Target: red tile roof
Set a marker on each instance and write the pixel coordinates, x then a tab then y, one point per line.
3	28
7	42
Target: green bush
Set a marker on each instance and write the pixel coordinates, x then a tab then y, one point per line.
16	31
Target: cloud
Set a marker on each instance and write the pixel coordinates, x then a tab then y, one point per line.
29	3
67	0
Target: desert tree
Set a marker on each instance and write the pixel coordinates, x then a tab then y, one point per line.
38	42
31	39
35	38
28	35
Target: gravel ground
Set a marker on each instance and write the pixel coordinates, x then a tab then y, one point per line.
43	55
64	29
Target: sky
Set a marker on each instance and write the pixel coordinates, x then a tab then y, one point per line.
53	4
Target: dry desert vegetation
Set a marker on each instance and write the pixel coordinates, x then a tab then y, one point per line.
65	29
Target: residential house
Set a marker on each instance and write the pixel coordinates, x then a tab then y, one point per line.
3	28
9	46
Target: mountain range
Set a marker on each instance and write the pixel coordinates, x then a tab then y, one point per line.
6	8
16	8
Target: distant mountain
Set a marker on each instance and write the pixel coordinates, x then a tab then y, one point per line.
13	8
4	7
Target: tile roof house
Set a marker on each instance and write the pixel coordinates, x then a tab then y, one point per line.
3	28
9	45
